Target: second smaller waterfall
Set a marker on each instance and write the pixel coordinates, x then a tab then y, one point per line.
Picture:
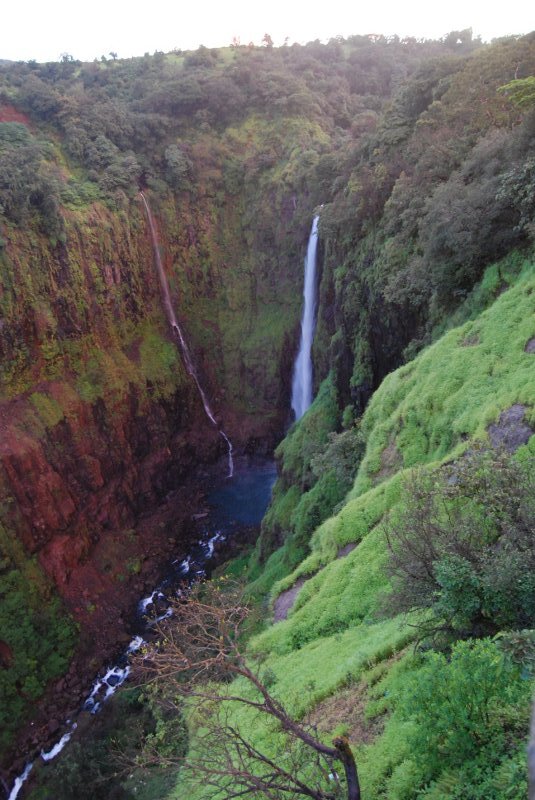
302	377
177	330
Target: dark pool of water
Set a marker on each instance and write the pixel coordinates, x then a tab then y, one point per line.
244	498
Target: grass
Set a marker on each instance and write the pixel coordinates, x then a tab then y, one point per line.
428	410
455	388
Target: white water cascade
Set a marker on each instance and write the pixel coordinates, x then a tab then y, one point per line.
302	377
177	330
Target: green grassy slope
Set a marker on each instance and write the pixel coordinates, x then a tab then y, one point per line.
333	643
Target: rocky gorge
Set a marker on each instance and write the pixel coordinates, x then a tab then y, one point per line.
154	217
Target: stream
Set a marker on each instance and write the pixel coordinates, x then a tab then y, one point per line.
232	504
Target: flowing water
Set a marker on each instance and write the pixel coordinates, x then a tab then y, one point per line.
233	503
302	377
237	501
179	334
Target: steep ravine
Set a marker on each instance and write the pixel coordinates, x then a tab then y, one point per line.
102	427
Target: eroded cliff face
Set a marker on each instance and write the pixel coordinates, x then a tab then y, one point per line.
102	429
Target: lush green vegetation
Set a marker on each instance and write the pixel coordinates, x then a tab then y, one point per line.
438	191
450	722
105	766
426	310
462	547
425	414
37	636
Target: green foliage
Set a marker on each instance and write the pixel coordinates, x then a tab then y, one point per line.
295	512
334	469
436	191
133	729
520	91
29	183
340	596
425	182
301	679
462	545
37	637
465	708
341	456
488	497
48	409
308	438
159	361
455	388
316	505
178	166
520	647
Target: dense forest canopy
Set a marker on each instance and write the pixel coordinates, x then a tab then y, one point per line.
392	136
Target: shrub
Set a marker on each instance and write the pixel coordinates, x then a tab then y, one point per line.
468	707
463	546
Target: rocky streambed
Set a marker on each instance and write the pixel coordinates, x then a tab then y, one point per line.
226	516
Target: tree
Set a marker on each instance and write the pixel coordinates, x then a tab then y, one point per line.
178	166
521	91
462	546
468	708
199	657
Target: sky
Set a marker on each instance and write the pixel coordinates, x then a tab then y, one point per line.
45	29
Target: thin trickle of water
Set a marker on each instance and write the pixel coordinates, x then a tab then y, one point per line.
177	330
302	377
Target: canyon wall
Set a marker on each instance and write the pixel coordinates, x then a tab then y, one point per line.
103	430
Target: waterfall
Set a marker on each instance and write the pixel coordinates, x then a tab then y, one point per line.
302	377
179	334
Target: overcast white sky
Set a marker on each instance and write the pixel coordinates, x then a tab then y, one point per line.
44	29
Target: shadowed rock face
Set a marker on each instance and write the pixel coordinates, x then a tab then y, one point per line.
510	432
96	425
101	428
76	493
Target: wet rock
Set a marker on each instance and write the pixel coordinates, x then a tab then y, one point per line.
19	763
510	432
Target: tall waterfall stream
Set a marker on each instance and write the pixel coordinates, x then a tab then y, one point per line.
302	377
242	500
179	334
